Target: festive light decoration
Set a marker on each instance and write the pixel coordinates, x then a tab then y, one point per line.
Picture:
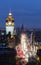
24	49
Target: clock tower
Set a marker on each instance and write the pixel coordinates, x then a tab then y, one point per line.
10	24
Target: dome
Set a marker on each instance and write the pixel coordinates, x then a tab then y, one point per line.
10	14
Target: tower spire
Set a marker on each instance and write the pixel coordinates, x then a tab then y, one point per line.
10	12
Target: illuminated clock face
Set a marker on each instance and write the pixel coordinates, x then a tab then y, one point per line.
9	22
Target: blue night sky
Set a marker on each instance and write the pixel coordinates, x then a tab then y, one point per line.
27	12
